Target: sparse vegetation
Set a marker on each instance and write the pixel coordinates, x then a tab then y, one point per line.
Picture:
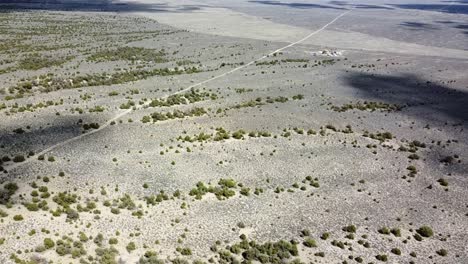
367	106
140	162
129	53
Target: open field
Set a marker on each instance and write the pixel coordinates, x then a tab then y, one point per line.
233	132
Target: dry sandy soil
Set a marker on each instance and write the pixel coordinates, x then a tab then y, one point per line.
241	131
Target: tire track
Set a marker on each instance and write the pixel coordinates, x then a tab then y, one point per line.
126	112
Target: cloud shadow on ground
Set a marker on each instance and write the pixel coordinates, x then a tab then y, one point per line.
442	8
363	6
93	6
295	5
434	100
456	25
36	138
457	1
418	25
359	6
429	102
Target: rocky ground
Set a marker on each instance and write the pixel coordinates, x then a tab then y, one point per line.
125	140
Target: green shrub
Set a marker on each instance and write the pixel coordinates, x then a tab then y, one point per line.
245	191
83	237
229	183
258	191
127	105
396	232
91	126
382	258
443	182
417	237
238	134
425	231
48	243
62	250
3	213
325	236
10	188
320	254
36	61
65	199
129	54
185	251
130	246
146	119
338	244
384	230
19	158
305	233
31	207
71	214
18	218
106	255
350	229
97	109
309	242
298	97
40	249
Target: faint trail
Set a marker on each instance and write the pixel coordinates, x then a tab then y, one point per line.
126	112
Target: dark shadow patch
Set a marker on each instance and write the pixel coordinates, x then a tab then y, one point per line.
38	138
455	24
444	22
359	6
338	3
362	6
418	25
93	6
442	8
295	5
457	1
434	101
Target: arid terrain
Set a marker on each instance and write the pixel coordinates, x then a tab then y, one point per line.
234	131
